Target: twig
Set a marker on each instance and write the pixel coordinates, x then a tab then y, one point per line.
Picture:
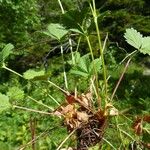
34	140
109	143
32	129
66	92
120	79
41	103
66	139
32	110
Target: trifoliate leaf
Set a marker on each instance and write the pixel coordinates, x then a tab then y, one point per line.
4	102
134	38
56	31
31	74
15	93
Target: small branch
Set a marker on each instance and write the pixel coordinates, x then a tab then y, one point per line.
66	92
34	140
120	79
4	67
32	110
65	76
40	103
62	9
66	139
32	129
109	144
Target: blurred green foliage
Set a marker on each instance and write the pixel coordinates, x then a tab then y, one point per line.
21	22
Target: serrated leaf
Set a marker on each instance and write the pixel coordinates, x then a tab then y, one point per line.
145	49
76	58
84	63
15	93
134	38
31	74
6	52
78	72
77	31
56	31
96	63
4	102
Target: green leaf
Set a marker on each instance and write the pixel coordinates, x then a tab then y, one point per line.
134	38
15	93
31	74
56	31
145	49
76	56
80	73
96	63
76	31
7	50
84	63
4	102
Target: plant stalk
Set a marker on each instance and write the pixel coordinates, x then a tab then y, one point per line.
93	9
4	67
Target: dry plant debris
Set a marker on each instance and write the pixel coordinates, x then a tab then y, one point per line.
90	125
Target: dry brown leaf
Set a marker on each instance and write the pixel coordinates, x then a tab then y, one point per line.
146	118
82	116
70	98
68	108
137	126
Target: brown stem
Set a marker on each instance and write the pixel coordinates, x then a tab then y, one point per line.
32	129
120	79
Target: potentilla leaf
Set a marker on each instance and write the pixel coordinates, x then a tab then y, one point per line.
4	102
134	38
145	49
6	52
31	74
56	31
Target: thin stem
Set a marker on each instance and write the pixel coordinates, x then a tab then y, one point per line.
54	99
32	110
4	67
40	103
120	79
78	44
66	92
65	76
93	9
118	129
95	71
32	129
71	49
66	139
109	144
61	7
37	137
128	56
